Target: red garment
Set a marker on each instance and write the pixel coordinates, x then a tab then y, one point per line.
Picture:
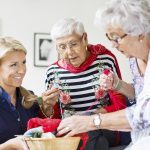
117	101
51	125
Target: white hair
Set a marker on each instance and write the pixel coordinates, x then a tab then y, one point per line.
133	16
67	26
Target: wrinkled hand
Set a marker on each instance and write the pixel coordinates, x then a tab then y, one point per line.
106	81
30	132
73	125
50	96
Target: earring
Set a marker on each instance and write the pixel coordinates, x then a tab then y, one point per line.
86	48
141	41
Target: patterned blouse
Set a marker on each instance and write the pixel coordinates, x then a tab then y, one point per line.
137	78
138	114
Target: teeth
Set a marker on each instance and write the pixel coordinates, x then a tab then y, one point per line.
18	77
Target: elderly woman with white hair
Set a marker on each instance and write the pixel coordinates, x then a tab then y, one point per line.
76	75
127	24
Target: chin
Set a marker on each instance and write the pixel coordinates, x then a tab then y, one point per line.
76	65
128	56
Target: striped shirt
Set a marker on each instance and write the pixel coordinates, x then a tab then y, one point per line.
81	85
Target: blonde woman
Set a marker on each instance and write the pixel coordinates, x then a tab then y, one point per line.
17	105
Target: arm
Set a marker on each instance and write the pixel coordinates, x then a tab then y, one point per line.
115	121
127	89
79	124
114	81
50	106
14	144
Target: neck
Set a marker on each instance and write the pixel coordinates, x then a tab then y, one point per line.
146	48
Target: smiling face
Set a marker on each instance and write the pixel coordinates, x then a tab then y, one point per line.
12	69
130	46
72	49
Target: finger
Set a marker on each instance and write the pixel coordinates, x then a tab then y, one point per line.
50	91
51	102
63	131
70	134
51	96
50	85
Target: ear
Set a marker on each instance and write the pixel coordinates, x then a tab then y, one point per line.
141	37
85	38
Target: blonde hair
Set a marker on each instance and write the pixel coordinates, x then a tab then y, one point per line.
9	44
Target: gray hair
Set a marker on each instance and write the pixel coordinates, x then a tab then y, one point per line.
9	44
67	26
133	16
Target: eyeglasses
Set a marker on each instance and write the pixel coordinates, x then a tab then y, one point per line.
116	39
71	45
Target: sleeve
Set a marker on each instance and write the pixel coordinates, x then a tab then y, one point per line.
129	114
140	115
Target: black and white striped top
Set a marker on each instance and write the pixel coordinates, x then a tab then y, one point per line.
81	84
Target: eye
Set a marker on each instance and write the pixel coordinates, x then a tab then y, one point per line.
62	46
24	62
115	37
13	65
74	44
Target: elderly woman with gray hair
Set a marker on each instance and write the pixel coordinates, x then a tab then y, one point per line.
77	74
127	24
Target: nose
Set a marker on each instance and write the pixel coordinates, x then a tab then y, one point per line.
114	44
69	50
21	69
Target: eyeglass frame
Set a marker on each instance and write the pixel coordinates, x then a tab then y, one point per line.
116	40
69	44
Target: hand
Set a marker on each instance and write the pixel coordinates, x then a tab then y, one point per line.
50	96
101	110
30	132
14	144
74	125
106	81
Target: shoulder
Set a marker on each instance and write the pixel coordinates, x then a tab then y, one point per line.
99	49
52	67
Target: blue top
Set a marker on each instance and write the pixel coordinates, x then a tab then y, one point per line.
13	119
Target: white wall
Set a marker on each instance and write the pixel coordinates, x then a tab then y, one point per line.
22	18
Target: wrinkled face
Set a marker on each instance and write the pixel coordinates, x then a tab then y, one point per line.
12	69
73	48
129	45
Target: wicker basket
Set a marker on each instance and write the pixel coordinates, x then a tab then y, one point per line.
70	143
